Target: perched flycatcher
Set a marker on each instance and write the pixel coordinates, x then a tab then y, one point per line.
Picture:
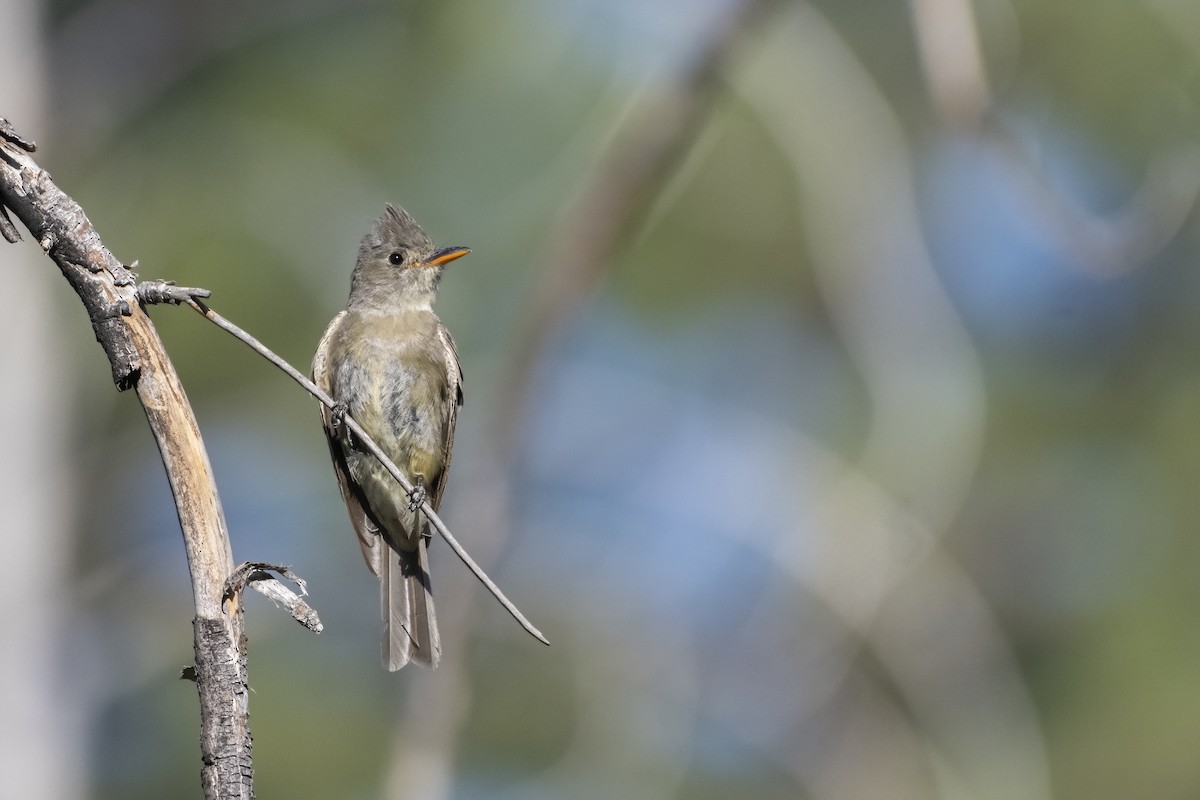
390	363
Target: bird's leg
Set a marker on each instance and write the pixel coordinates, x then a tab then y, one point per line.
337	418
416	498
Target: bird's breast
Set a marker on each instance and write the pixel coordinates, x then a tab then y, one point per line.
394	378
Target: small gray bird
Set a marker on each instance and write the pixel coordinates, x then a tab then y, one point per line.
390	363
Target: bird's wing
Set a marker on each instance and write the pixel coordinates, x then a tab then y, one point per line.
374	549
452	400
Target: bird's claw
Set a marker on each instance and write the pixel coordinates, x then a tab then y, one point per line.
337	419
337	414
416	498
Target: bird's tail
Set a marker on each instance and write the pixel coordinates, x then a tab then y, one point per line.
410	626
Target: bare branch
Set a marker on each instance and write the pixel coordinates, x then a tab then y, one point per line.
10	135
7	229
67	236
139	360
166	292
362	436
257	575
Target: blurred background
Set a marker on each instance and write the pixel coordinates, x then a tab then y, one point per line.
833	402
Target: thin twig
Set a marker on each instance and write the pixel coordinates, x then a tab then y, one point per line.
257	575
160	292
7	229
374	449
9	134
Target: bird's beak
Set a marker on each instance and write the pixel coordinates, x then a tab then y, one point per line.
446	255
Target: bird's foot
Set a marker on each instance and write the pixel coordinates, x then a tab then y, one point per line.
416	498
337	418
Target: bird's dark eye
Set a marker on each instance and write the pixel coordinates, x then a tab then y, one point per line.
395	258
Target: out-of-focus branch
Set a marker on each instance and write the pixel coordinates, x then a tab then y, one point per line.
624	185
139	361
39	467
625	182
1103	245
948	45
854	174
1117	242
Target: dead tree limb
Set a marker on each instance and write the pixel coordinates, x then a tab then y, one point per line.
139	361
